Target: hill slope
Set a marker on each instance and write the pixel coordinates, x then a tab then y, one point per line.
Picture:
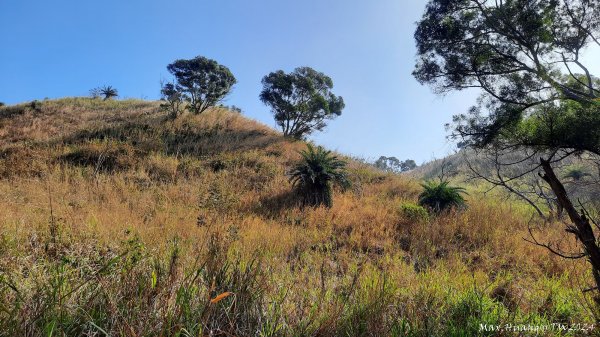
484	171
116	221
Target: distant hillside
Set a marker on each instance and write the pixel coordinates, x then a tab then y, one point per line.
581	174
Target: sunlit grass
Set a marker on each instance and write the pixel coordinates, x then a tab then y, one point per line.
104	232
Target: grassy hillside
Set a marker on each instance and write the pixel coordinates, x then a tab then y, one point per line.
115	221
467	167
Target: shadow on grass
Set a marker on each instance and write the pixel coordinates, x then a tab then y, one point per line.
182	140
273	206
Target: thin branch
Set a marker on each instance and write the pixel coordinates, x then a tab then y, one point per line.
552	250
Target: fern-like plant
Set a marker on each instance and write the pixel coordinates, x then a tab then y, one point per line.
439	196
108	92
316	174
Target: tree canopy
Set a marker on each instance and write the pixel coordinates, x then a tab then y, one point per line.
393	164
202	81
526	56
301	101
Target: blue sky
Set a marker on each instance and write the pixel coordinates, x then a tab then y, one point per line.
64	48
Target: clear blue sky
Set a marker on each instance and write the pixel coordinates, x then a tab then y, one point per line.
64	48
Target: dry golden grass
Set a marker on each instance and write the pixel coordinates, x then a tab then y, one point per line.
91	182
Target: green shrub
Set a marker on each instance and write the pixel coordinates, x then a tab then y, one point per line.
439	196
413	212
314	176
172	100
35	105
469	311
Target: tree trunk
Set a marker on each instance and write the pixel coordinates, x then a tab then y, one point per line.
582	228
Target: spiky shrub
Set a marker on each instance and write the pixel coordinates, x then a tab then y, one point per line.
108	92
440	196
317	173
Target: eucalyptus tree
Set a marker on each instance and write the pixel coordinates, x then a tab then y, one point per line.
301	101
201	81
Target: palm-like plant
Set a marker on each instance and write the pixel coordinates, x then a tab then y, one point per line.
439	196
316	174
108	92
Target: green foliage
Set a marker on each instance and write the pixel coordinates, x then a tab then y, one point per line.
316	173
464	45
390	164
73	295
567	125
393	164
35	105
202	82
232	108
470	310
108	92
408	165
172	100
301	101
413	212
439	196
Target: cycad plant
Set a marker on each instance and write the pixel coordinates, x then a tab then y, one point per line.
316	174
108	92
439	196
